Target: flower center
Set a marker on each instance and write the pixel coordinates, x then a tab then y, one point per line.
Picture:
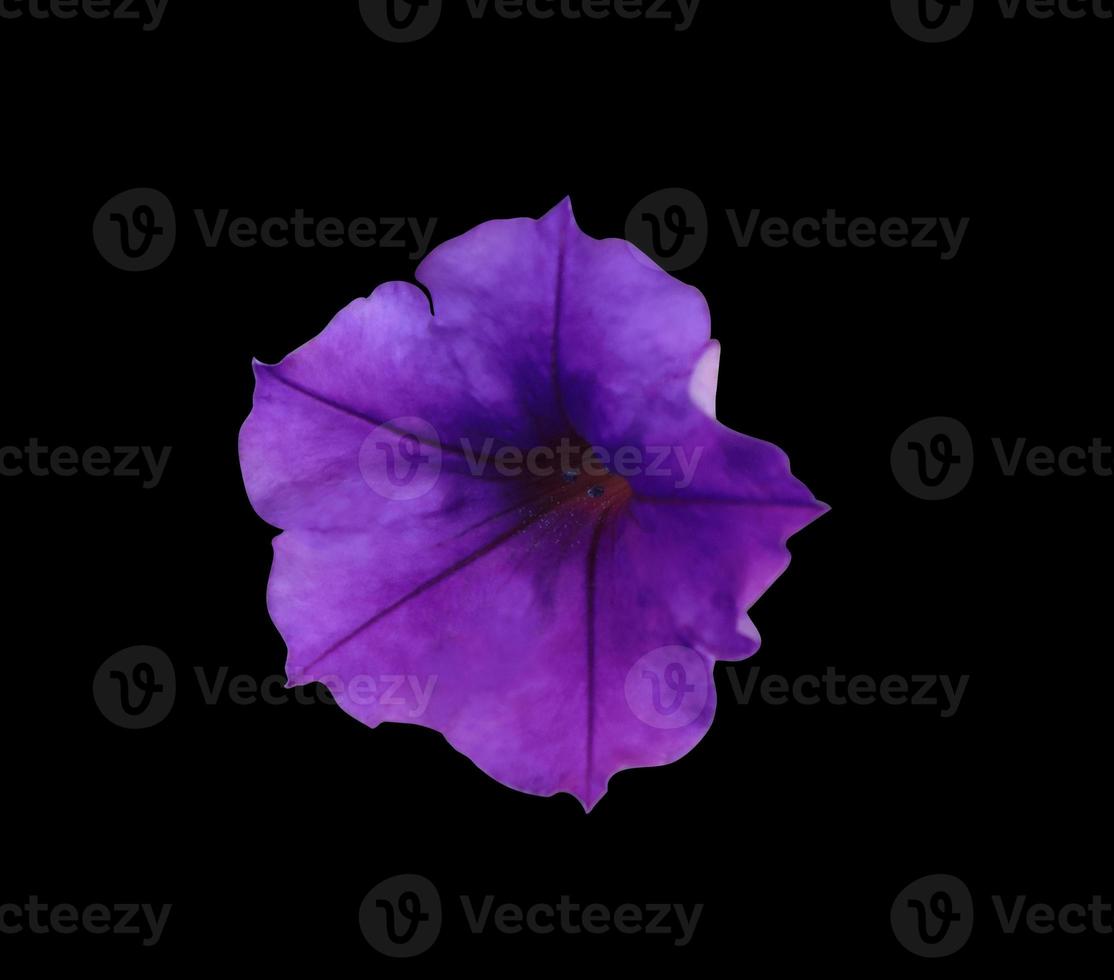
583	484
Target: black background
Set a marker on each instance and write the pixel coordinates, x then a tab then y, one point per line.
795	825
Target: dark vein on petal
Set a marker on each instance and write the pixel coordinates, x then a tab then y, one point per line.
556	497
558	303
735	501
590	616
353	413
435	580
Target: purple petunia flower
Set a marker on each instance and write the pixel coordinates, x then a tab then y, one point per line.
509	513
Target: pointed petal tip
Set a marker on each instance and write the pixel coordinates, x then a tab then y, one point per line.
587	798
259	367
562	211
808	512
588	804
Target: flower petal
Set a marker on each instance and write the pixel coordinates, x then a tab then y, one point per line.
514	640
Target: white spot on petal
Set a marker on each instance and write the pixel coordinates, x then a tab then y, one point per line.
705	380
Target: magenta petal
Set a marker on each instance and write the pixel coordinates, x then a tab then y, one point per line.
553	635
